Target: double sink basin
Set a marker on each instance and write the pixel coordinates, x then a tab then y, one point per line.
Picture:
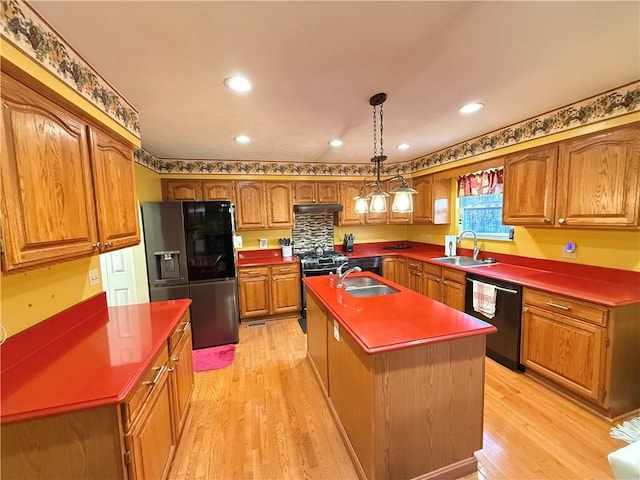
370	287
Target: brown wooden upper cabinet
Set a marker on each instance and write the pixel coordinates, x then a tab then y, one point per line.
279	204
264	205
348	216
316	192
431	205
68	188
196	190
588	181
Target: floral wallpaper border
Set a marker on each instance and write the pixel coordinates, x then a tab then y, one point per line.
607	105
21	25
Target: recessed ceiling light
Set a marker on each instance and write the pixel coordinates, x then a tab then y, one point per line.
403	146
242	139
238	84
471	107
335	143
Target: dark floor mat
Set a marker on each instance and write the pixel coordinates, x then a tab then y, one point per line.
303	324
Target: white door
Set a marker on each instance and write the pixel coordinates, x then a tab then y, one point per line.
118	277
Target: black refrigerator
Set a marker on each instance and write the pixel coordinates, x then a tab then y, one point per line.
190	254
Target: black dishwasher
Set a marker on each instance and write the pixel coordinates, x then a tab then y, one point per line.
504	345
367	264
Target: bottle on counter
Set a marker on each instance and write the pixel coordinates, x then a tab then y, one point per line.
332	280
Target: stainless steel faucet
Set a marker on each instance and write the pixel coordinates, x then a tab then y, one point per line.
342	276
476	248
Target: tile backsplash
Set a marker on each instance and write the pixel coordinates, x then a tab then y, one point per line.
311	229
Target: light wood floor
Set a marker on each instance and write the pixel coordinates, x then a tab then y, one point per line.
265	417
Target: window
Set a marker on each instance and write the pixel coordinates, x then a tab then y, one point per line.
479	205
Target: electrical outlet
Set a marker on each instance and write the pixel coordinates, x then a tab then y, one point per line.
427	238
237	241
566	254
94	277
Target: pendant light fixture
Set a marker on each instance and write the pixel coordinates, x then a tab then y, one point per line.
376	201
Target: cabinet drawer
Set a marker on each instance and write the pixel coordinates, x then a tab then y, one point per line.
453	276
141	392
288	268
183	326
432	269
414	265
253	272
574	308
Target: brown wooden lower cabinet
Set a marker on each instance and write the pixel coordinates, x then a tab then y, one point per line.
406	413
269	290
588	351
133	440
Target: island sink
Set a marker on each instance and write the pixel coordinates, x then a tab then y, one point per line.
367	287
461	261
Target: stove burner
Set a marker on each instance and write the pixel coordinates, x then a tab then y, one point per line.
328	261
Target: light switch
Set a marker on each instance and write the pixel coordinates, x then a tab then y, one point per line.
94	277
237	241
336	330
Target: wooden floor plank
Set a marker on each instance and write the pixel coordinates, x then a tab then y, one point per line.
264	417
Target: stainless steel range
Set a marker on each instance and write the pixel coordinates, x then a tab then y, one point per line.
313	264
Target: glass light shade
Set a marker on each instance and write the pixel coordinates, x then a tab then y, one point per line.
362	205
402	202
378	203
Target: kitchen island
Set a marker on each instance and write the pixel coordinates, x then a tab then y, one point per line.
403	376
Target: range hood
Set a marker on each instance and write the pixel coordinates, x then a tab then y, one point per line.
317	208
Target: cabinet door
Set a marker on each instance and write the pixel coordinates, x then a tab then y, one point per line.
181	190
402	271
416	282
348	216
567	351
453	288
432	281
182	365
250	208
150	440
253	292
217	190
317	338
305	192
529	187
115	190
422	201
285	292
389	269
279	204
327	192
48	211
598	179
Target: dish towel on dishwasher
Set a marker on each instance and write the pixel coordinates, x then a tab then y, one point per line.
484	298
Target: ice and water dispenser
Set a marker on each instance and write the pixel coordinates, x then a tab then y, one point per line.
168	266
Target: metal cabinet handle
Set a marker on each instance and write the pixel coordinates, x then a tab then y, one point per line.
253	273
525	309
108	244
97	245
157	377
444	282
547	220
171	369
285	269
561	220
274	277
175	359
186	326
563	307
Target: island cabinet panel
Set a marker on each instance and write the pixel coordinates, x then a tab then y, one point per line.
250	208
317	340
351	393
115	189
181	190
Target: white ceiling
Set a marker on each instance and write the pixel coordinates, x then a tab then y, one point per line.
314	66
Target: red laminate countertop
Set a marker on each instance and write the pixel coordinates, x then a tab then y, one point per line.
261	258
605	293
95	363
396	321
